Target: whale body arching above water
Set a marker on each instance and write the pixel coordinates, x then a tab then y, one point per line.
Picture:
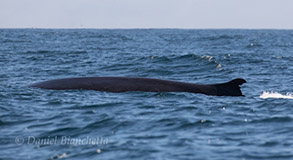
124	84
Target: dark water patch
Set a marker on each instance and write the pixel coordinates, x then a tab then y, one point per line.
219	37
267	155
53	52
15	41
147	137
190	108
273	120
40	125
270	144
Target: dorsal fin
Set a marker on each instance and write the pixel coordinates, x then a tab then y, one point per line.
231	88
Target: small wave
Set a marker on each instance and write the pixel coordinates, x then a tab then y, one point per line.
266	95
221	37
55	52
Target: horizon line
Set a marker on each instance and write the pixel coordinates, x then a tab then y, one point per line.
150	28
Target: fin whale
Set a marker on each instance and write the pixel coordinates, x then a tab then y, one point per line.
124	84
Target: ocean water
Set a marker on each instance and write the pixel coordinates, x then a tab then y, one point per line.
80	124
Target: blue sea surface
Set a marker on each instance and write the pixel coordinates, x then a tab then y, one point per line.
83	124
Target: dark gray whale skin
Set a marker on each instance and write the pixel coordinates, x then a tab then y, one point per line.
124	84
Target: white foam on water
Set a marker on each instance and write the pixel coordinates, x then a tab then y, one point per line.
266	95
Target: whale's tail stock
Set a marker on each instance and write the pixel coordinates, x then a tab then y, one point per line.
231	88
